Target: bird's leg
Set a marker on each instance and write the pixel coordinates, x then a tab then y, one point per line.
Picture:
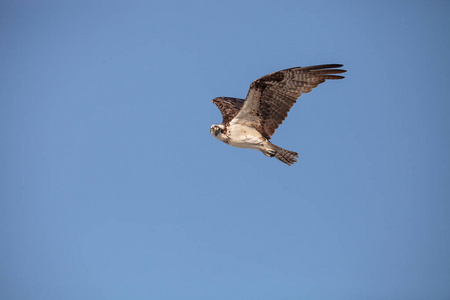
270	153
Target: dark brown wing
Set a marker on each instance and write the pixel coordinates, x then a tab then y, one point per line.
229	107
270	97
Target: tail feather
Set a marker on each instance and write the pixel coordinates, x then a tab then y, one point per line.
286	156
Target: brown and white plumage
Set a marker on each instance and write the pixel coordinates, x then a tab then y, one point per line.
250	123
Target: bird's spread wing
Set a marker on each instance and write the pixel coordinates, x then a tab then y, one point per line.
270	97
229	107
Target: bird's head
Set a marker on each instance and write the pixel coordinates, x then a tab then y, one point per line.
217	130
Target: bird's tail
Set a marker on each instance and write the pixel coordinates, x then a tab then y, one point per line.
286	156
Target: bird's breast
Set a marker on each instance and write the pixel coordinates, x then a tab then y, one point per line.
244	136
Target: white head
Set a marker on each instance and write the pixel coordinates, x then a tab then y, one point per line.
217	130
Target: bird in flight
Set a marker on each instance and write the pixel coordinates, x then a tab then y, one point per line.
251	122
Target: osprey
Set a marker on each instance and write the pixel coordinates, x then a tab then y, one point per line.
251	122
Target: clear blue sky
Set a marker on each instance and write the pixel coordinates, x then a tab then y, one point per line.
113	188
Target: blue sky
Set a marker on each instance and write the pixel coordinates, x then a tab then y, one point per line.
112	187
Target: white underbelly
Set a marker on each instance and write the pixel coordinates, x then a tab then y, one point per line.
245	137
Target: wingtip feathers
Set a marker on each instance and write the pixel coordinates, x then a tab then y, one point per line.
327	70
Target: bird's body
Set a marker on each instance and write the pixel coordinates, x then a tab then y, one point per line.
244	136
251	122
